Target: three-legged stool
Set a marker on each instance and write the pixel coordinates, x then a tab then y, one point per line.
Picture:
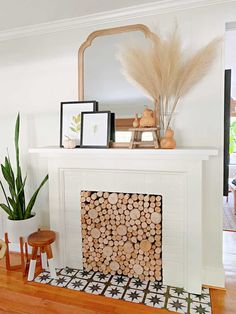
42	240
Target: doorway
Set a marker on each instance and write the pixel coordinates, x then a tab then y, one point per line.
229	202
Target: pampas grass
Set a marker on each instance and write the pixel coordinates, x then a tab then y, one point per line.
164	71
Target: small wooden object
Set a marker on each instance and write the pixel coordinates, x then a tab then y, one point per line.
3	248
147	120
23	256
136	138
136	122
42	240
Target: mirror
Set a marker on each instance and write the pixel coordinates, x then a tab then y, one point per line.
100	73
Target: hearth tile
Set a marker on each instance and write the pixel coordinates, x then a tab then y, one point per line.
134	295
43	277
178	293
177	305
155	299
203	298
95	287
77	284
196	308
120	281
100	277
85	274
61	281
67	271
157	287
114	292
136	283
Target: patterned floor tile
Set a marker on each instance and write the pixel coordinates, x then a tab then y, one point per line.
177	305
115	292
178	293
120	281
101	277
134	295
157	287
155	300
44	277
95	287
77	284
203	298
68	271
85	274
199	308
61	281
138	284
134	290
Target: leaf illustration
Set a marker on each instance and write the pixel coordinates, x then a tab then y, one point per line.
76	123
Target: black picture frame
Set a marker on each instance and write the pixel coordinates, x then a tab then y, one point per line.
78	106
87	125
113	127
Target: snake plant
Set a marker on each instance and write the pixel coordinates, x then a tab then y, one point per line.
16	206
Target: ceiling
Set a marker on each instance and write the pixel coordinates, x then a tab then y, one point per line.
17	13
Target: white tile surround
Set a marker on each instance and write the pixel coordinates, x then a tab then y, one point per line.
174	174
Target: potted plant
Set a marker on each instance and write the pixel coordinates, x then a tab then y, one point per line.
21	219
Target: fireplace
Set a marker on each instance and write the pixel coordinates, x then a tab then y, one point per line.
121	233
175	175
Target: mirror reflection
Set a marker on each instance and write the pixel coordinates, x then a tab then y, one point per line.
104	81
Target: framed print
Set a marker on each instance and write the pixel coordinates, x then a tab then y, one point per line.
113	127
70	120
95	129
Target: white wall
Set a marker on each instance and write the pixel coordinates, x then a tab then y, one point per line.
36	73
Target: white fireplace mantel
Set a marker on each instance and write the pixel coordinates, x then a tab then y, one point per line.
174	174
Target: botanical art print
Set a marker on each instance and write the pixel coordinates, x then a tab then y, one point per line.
71	119
95	129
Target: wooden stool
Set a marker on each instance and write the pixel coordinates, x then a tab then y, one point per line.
23	255
42	240
136	137
3	248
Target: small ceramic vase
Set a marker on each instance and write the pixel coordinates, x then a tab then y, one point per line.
69	143
147	120
168	141
136	122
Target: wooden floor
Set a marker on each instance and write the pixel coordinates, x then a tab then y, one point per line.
224	302
18	296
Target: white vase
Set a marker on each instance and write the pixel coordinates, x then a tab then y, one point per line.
69	143
21	228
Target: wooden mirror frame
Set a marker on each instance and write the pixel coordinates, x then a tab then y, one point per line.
122	124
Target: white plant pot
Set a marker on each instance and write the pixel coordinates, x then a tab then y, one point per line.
21	228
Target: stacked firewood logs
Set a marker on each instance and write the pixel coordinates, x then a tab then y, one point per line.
122	234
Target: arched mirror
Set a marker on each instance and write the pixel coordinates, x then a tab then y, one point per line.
100	74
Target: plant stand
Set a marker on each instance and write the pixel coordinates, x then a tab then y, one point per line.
23	266
136	138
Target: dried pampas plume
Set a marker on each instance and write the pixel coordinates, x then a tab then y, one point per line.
164	72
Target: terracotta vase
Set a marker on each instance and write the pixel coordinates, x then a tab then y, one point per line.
148	119
136	122
168	141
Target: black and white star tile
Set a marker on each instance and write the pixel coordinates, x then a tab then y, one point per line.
121	287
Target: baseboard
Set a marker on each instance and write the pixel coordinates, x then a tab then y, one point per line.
214	287
214	277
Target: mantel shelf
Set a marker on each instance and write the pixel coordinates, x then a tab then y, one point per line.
180	153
